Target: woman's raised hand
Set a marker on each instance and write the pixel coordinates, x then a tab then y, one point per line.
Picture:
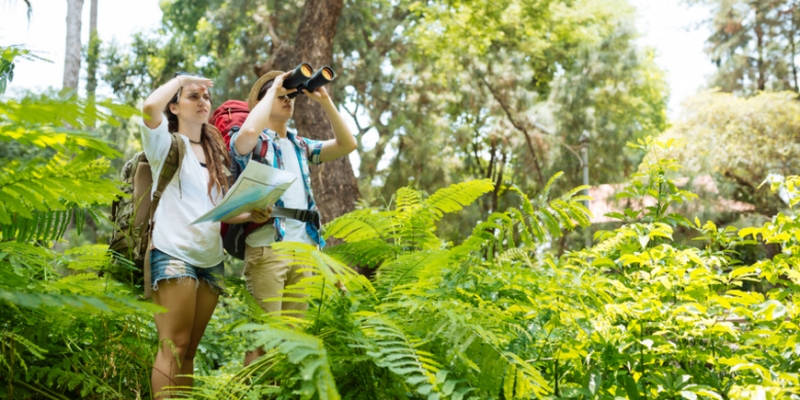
185	80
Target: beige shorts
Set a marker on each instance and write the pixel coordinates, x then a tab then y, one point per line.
266	275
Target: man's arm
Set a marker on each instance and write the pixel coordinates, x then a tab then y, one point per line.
259	116
343	142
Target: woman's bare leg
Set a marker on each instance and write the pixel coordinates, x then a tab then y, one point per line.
205	303
174	327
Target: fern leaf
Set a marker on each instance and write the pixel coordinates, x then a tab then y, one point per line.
456	197
42	226
547	187
306	352
393	350
406	268
365	253
52	186
362	225
47	110
408	201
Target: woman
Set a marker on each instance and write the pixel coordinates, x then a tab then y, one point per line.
185	260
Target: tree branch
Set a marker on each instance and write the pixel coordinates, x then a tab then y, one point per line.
519	127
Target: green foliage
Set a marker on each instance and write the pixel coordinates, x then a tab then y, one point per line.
437	321
496	316
65	332
491	314
7	57
739	141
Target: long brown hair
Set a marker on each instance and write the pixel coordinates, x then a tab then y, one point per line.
218	157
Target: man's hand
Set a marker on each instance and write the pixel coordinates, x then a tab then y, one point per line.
319	95
277	88
260	216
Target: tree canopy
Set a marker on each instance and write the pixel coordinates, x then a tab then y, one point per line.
434	99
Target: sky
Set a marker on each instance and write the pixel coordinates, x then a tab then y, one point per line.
668	26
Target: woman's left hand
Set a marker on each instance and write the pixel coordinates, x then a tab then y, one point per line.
260	216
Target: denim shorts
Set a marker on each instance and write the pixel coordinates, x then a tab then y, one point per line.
164	267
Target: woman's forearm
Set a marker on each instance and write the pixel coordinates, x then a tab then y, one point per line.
154	105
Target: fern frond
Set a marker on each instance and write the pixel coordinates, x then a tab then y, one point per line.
393	350
86	303
57	139
361	225
45	187
369	253
56	110
94	257
455	197
42	226
547	187
514	256
10	340
53	377
614	242
417	233
307	353
307	255
405	268
408	201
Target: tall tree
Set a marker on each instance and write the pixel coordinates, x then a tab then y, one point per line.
72	59
335	184
754	44
92	55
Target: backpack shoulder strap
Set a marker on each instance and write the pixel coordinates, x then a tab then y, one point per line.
177	149
261	150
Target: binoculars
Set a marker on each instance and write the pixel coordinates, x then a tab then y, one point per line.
302	78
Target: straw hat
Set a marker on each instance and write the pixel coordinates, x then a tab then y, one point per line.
252	100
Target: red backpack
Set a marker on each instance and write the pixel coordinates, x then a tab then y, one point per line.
229	114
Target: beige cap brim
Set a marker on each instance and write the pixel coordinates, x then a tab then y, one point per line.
252	100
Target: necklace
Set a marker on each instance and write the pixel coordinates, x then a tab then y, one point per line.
198	142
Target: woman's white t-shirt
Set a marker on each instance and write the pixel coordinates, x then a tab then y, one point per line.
294	197
184	200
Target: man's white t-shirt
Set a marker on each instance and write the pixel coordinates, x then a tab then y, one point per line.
294	197
184	200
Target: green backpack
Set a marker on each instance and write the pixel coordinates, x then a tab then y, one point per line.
132	214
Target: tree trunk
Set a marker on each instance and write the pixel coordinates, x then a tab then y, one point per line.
93	53
762	79
791	35
334	183
72	59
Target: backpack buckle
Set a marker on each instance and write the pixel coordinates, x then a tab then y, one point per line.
301	215
315	220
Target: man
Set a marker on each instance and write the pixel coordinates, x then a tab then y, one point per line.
270	111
